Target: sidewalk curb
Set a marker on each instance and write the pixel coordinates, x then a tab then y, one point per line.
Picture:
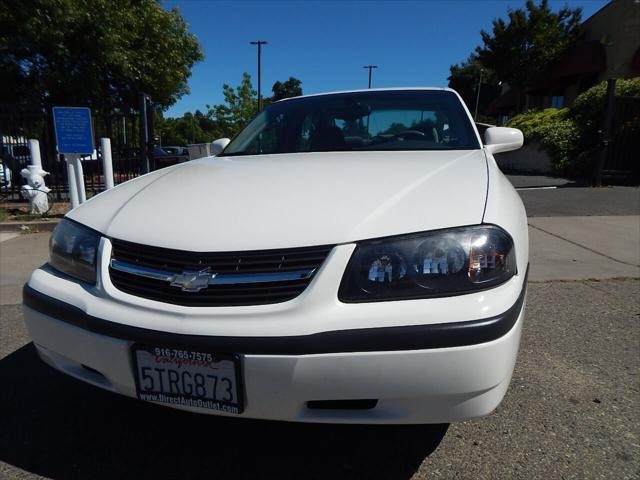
38	226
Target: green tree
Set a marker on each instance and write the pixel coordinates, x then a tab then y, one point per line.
287	89
207	125
240	105
521	49
464	79
98	53
190	128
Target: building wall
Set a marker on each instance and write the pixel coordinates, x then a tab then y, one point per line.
531	158
617	27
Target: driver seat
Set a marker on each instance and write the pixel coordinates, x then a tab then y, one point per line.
327	138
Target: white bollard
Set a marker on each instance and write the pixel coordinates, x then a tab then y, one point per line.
107	162
77	165
34	148
73	183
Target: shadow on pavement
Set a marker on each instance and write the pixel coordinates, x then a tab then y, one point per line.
57	427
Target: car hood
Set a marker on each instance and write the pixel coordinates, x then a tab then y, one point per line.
291	200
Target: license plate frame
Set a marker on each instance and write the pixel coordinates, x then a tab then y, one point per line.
182	399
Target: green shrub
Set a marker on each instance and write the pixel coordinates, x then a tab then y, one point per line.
531	120
588	113
588	107
571	136
559	138
556	132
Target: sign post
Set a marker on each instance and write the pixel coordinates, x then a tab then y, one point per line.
74	137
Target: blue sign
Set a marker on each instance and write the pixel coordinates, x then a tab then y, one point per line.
73	130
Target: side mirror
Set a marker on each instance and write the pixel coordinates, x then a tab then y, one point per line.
502	139
218	146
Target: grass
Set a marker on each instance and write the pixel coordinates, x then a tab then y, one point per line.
19	215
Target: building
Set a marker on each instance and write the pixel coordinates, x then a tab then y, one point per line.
609	47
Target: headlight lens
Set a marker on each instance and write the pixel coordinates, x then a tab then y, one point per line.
431	264
73	250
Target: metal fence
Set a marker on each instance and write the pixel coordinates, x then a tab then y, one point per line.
623	157
18	124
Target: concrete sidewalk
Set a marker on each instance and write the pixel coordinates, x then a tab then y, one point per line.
580	248
561	248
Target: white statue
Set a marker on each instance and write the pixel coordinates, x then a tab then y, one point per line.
35	191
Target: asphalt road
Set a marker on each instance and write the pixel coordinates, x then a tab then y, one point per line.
581	201
571	411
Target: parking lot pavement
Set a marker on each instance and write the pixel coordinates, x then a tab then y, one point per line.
571	412
581	201
572	409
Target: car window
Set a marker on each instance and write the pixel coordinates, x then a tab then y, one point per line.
378	120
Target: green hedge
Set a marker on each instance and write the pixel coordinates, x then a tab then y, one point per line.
530	121
555	131
571	136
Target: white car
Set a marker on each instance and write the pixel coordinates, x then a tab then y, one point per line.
351	257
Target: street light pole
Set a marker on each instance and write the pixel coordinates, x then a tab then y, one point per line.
475	116
259	43
370	67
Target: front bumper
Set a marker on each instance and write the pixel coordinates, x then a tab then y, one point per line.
423	361
419	374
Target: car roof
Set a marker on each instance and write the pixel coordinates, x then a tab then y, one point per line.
362	90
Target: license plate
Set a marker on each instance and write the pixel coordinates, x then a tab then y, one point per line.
188	378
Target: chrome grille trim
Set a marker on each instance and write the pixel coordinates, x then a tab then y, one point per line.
215	279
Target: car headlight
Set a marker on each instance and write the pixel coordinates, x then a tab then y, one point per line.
73	250
430	264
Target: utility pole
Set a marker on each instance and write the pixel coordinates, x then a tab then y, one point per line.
475	116
259	43
144	134
370	67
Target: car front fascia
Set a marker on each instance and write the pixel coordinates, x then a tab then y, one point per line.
393	338
484	315
80	329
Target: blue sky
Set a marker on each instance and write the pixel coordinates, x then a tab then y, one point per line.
326	43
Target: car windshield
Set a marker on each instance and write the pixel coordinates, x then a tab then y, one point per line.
359	121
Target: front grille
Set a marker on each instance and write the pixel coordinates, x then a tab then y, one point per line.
262	262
